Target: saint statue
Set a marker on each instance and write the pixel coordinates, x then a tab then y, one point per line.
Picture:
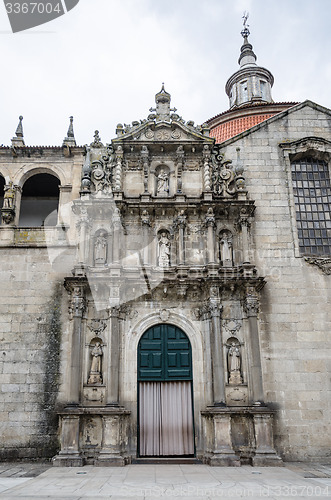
226	248
9	196
95	376
100	249
234	364
164	250
162	182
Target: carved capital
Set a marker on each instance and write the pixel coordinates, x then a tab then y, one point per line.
181	290
251	304
145	218
180	221
76	289
77	303
210	217
215	308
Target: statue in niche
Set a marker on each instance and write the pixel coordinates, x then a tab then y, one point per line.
226	248
164	250
234	364
95	376
9	196
162	182
100	249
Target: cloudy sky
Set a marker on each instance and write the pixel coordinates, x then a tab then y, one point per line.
104	61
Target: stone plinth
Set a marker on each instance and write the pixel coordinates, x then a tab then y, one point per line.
239	435
102	430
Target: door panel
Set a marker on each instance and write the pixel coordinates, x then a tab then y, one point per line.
165	393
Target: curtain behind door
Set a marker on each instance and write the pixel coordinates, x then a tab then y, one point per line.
165	418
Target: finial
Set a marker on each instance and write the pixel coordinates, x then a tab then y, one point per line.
245	32
70	139
19	130
70	132
18	139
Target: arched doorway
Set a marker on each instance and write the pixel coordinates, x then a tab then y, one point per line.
165	409
40	199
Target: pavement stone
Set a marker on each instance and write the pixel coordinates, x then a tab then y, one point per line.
150	482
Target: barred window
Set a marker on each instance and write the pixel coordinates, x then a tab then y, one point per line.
312	197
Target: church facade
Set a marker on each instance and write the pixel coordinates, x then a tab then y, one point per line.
167	294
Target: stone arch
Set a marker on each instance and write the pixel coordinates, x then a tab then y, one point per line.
24	173
40	199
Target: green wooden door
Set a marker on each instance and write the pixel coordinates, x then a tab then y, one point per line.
164	354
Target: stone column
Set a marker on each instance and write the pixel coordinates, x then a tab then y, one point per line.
206	168
210	223
145	220
112	394
244	224
117	236
180	160
77	307
252	307
83	226
181	221
118	169
265	454
145	162
69	455
217	352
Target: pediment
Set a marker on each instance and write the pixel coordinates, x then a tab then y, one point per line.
173	131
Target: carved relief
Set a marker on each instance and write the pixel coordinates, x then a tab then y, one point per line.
97	326
226	181
323	263
232	326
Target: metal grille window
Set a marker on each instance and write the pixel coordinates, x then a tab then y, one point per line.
312	197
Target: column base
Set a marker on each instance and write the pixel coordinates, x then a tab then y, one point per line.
267	460
67	460
110	461
224	460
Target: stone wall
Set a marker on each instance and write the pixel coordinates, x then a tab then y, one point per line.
30	336
295	317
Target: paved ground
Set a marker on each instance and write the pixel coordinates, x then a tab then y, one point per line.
149	482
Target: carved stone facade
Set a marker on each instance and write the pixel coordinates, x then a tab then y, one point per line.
163	228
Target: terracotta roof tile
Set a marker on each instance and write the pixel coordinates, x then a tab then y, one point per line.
234	127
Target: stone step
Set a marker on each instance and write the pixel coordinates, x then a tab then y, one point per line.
166	460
